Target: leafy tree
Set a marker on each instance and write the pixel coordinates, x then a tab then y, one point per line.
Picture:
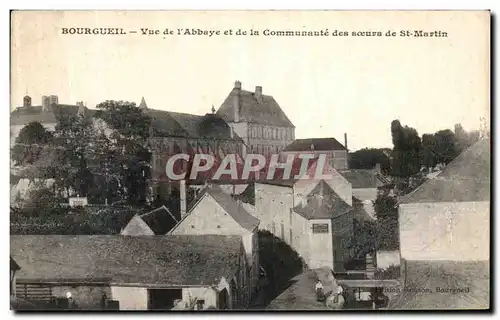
406	151
72	137
387	227
29	143
445	146
428	151
130	146
465	139
367	158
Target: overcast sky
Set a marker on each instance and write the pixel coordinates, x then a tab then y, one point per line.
326	85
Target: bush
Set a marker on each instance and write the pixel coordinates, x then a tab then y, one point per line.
387	227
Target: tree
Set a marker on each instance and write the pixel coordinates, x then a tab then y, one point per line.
29	143
445	146
367	158
72	138
406	151
387	227
130	145
465	139
428	151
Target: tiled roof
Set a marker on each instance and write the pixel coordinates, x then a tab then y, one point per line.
362	178
233	208
418	275
23	116
320	144
141	260
467	178
167	123
160	220
322	203
267	111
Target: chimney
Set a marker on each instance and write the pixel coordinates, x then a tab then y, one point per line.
27	101
45	103
183	198
258	94
345	141
53	99
236	101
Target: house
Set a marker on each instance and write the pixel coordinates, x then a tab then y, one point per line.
336	153
134	273
444	228
156	222
366	184
275	198
258	119
322	227
217	213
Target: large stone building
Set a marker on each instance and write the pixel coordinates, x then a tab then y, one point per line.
49	113
335	152
258	119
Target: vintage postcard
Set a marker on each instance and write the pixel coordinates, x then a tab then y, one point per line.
250	160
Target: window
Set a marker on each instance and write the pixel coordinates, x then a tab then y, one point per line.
273	228
290	217
291	238
320	228
282	231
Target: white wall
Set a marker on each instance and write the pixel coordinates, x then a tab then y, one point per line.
445	231
130	298
320	246
273	203
137	227
209	218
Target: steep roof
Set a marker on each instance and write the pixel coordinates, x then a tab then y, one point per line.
142	260
233	208
267	111
466	178
320	144
322	203
167	123
472	277
363	178
230	205
159	220
25	115
13	265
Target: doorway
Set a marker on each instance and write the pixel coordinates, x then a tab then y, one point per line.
163	299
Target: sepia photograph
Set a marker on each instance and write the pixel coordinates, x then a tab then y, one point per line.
249	160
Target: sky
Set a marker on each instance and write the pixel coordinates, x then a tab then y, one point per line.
327	86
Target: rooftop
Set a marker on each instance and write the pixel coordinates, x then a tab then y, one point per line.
160	220
363	178
319	144
466	178
230	205
322	203
263	110
138	260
